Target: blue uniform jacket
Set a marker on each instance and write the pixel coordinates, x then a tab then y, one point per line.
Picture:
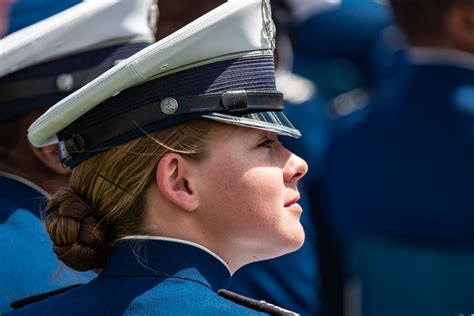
28	265
404	168
155	276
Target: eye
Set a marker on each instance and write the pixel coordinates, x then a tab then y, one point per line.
267	143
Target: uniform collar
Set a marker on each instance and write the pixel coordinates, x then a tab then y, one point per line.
23	192
169	258
441	56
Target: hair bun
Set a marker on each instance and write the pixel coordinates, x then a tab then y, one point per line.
79	239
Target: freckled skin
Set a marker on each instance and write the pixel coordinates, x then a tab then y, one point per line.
244	187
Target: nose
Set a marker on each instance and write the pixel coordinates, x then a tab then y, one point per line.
295	168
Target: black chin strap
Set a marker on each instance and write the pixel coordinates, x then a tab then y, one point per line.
63	83
231	102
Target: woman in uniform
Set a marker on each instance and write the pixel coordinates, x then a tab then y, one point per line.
178	177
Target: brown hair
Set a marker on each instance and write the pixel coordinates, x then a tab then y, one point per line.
106	197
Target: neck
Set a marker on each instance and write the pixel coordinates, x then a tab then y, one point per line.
165	219
235	253
148	237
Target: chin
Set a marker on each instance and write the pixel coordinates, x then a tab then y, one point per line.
289	242
297	239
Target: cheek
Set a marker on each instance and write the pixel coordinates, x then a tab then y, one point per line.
262	189
245	208
252	199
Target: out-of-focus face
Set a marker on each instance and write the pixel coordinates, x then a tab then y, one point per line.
4	12
176	14
248	194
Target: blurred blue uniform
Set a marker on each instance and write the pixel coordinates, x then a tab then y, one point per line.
334	48
399	191
28	266
403	167
27	12
291	281
149	277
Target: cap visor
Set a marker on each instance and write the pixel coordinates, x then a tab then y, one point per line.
276	122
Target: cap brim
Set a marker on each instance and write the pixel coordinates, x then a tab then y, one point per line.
276	122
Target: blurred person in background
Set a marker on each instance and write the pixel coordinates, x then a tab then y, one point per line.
176	14
39	65
334	48
399	174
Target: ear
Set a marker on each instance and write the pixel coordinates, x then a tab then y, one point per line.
459	23
175	182
48	156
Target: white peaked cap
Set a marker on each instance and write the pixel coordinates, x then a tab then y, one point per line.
233	29
91	24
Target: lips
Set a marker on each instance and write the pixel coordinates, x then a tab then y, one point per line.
292	201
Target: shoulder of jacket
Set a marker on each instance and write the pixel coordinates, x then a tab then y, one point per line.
257	305
39	297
